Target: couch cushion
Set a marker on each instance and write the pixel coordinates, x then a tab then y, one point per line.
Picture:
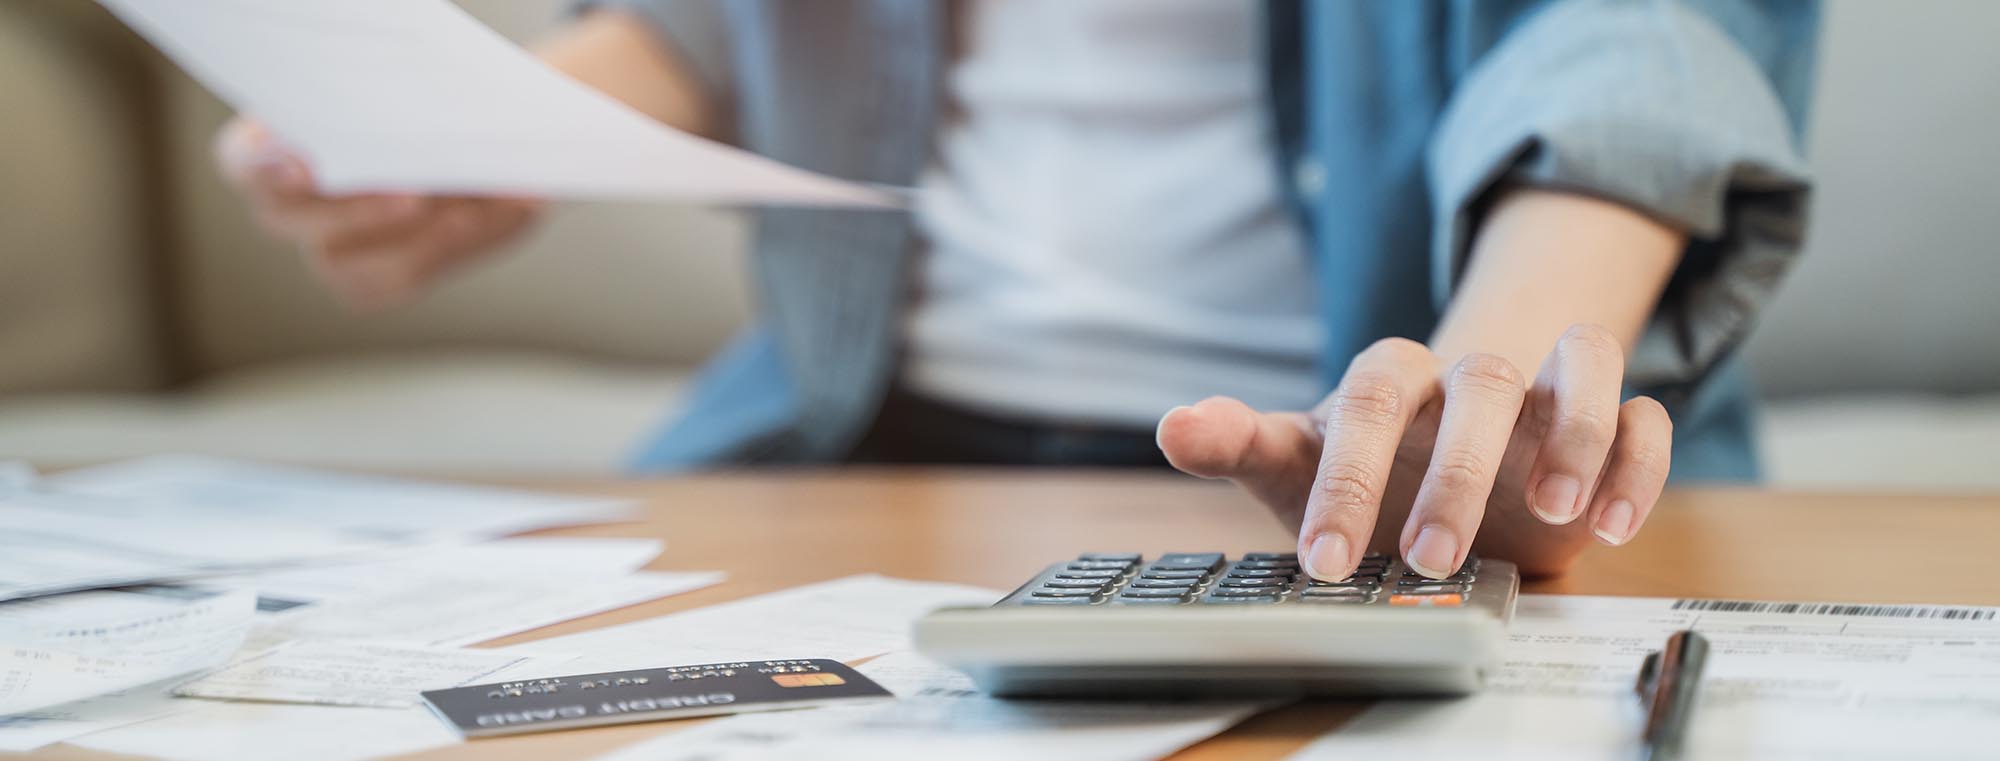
442	413
74	290
1904	443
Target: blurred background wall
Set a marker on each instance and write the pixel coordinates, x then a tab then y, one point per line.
141	310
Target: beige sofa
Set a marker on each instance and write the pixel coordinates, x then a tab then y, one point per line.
141	311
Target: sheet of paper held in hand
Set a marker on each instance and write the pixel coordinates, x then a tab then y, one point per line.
1783	681
415	95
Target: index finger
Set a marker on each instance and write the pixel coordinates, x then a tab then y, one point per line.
1383	390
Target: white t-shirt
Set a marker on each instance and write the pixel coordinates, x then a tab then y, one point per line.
1106	236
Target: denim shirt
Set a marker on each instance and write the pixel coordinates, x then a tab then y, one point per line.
1393	120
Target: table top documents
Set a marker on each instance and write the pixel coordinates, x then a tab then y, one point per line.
987	530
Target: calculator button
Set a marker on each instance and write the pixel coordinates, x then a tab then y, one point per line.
1427	601
1165	584
1064	592
1097	565
1105	574
1433	589
1204	561
1263	582
1375	556
1263	573
1086	600
1190	574
1122	600
1337	599
1127	558
1291	556
1133	594
1240	599
1291	564
1075	583
1336	592
1246	591
1347	583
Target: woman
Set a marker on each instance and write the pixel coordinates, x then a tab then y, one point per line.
1410	257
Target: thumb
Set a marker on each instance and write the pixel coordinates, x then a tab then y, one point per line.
1272	455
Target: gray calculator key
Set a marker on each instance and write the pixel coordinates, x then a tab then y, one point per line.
1133	594
1104	574
1267	564
1246	591
1337	599
1058	601
1204	561
1269	581
1336	592
1097	565
1148	600
1240	600
1075	583
1064	592
1109	557
1291	556
1434	589
1173	574
1348	583
1263	573
1165	583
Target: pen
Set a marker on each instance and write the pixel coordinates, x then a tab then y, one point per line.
1668	680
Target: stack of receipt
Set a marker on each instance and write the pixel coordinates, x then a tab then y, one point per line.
160	586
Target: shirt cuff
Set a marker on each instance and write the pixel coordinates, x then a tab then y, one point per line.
1654	106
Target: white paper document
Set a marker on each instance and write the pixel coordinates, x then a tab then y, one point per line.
62	649
194	487
415	95
347	673
34	729
288	591
1783	681
844	619
463	609
174	518
939	714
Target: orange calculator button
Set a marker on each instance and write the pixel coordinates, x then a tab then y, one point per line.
1428	601
807	680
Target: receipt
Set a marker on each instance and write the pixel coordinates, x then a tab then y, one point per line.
61	649
347	673
1783	680
462	609
27	731
844	619
415	95
940	715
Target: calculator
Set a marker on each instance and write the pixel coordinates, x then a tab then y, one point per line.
1204	624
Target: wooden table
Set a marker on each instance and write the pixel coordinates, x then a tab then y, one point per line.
782	529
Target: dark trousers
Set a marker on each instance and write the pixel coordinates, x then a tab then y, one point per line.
914	430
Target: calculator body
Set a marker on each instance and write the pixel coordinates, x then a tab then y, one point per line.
1202	624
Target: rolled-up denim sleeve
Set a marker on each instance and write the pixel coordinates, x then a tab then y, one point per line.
695	30
1649	103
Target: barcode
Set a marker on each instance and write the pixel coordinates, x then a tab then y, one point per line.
1830	609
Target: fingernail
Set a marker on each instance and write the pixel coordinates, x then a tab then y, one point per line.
1615	525
1160	429
1435	553
280	172
1327	559
1555	499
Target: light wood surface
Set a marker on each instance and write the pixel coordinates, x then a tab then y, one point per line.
781	529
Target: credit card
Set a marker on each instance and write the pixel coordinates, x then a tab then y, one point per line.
627	697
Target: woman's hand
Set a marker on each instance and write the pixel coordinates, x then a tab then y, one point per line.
373	251
1409	455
